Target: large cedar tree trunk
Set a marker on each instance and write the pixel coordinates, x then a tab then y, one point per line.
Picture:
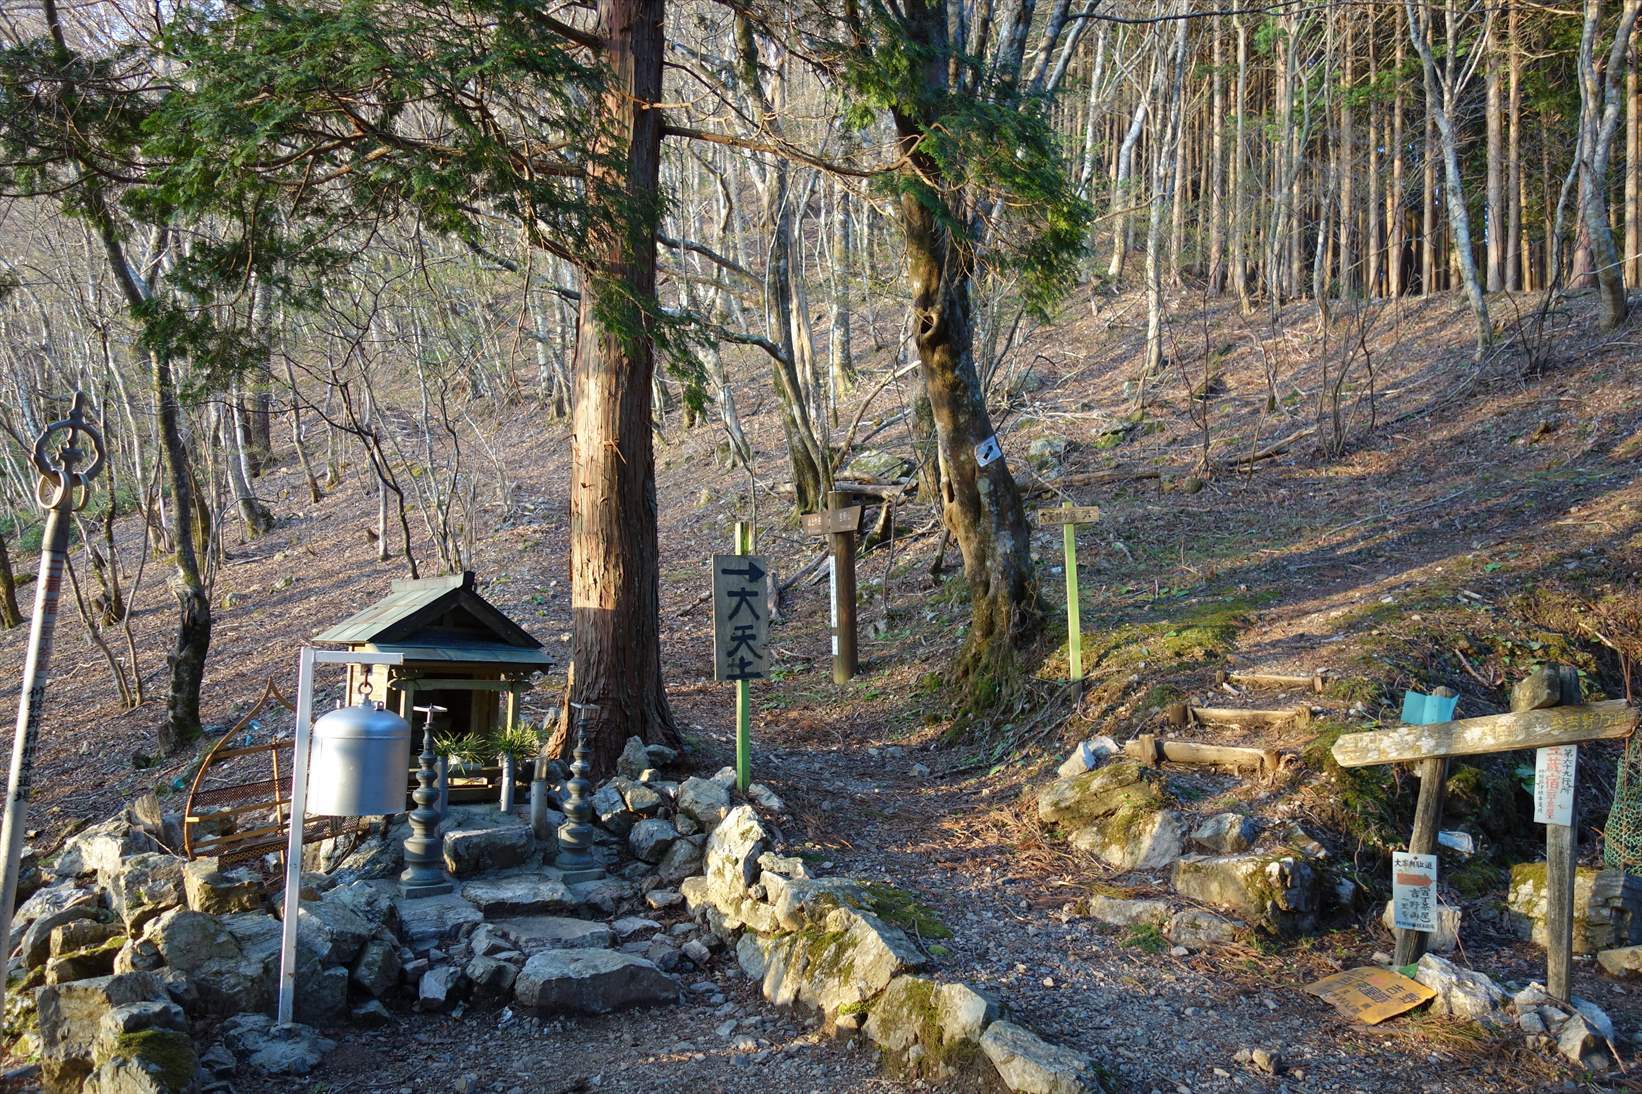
614	572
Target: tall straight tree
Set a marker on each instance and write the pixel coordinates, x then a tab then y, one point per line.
1601	107
1443	87
614	560
555	127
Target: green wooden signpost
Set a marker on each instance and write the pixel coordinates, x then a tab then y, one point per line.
1069	516
741	635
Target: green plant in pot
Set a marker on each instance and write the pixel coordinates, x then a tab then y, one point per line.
514	745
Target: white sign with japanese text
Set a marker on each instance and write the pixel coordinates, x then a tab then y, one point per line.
1554	784
1414	891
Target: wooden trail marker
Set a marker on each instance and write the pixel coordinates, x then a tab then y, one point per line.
1548	726
840	523
1422	842
741	636
1494	733
1150	750
1069	516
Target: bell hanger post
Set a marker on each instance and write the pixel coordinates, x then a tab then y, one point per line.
306	660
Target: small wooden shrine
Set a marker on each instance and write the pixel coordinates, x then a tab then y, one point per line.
460	651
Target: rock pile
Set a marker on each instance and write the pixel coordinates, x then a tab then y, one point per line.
831	945
138	970
1122	812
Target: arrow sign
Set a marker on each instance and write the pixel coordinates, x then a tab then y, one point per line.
741	618
752	572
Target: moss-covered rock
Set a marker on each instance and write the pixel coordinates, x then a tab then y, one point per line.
1117	812
928	1029
1274	890
845	959
1607	906
165	1055
83	964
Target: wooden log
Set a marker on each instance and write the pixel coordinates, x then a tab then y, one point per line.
1177	714
1231	716
1142	749
1150	750
1493	733
1427	820
1315	682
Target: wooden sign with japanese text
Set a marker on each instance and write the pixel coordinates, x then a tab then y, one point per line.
832	521
1370	995
741	619
1069	514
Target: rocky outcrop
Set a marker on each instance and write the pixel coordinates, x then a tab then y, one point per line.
590	981
1607	906
145	885
1027	1063
1119	813
929	1029
275	1050
1461	993
840	962
1274	890
496	842
221	892
71	1017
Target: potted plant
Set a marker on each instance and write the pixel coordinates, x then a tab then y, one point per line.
459	754
512	745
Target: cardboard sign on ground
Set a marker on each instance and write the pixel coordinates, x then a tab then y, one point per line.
1370	995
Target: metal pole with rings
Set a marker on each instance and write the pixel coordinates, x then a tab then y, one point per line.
63	489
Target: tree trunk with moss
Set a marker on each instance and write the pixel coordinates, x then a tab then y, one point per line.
980	501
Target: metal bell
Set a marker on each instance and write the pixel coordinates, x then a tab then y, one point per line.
359	762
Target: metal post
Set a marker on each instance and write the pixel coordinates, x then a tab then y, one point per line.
1074	628
299	808
293	844
69	492
743	690
844	659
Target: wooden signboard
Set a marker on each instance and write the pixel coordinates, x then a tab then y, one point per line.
1494	733
1069	514
1554	784
831	522
741	620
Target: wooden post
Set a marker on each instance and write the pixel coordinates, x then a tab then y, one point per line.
743	696
1561	861
1074	628
844	657
1558	685
1423	841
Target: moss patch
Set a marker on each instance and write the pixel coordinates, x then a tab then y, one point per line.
900	908
1146	937
1366	802
170	1050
